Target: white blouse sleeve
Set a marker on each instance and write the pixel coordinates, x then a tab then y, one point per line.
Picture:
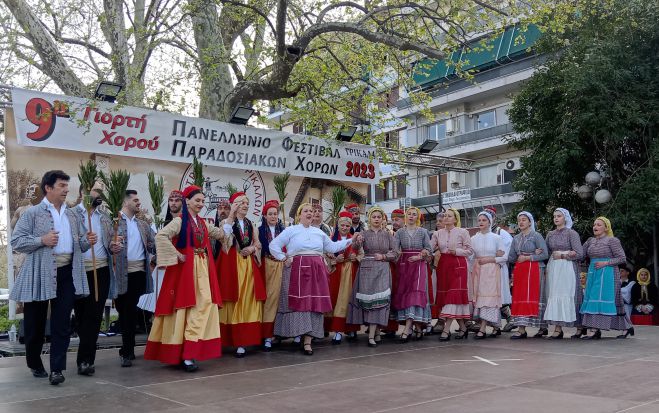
277	244
333	247
501	246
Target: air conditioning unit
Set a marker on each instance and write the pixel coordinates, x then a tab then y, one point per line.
450	126
512	164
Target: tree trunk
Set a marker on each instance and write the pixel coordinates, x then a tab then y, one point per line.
216	82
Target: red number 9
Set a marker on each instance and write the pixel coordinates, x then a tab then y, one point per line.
40	113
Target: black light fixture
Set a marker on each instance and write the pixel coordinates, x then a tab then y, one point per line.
241	115
427	146
345	135
107	91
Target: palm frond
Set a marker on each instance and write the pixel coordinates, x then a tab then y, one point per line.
339	197
116	184
87	175
197	172
280	182
231	189
157	193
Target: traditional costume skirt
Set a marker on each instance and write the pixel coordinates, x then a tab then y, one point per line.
392	325
432	295
529	299
188	333
304	297
273	272
340	285
371	295
564	294
486	292
506	296
602	306
452	287
411	299
240	320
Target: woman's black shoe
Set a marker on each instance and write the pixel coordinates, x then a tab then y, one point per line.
519	336
559	336
628	332
372	343
541	333
39	373
463	334
580	332
404	338
443	337
307	352
480	336
189	367
418	335
495	333
596	336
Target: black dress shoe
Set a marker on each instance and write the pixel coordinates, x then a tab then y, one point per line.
580	332
56	377
351	336
559	336
542	332
336	342
496	333
85	369
372	343
307	352
125	362
596	336
519	336
40	373
443	337
481	335
240	355
190	367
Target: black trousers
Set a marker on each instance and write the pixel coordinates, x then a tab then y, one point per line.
127	308
89	313
35	314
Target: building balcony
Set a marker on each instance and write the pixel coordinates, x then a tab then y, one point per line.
474	194
473	136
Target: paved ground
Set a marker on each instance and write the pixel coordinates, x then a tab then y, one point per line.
495	375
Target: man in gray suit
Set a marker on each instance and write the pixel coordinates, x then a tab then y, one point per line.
133	272
53	239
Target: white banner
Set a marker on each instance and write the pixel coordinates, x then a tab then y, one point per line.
62	122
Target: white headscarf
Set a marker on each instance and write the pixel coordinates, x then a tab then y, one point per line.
568	217
488	216
530	217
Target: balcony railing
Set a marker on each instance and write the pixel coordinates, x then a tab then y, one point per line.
475	194
474	136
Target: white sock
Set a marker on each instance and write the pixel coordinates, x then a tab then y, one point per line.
268	342
296	339
240	350
188	362
338	336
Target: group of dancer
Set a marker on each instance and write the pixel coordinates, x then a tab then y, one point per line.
238	285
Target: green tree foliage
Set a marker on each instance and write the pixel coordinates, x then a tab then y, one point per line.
595	106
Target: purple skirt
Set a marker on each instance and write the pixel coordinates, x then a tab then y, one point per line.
309	285
412	282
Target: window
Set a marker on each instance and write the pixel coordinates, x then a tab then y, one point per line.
391	140
391	190
298	128
433	187
486	119
437	131
487	176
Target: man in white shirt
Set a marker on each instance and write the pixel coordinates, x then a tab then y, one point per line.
89	310
133	272
53	239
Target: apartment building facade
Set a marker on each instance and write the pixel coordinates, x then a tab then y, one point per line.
469	121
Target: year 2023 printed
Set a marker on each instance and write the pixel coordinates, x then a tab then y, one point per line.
360	169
